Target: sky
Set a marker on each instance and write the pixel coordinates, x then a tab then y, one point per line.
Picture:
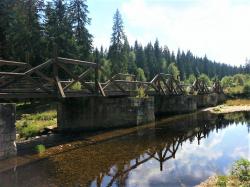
219	29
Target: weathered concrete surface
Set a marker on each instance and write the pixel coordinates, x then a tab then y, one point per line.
221	98
7	130
175	104
207	100
94	113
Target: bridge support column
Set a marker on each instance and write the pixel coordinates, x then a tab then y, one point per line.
175	104
207	100
7	130
92	113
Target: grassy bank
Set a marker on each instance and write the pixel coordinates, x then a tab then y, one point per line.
33	119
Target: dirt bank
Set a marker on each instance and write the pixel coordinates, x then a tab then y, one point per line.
237	105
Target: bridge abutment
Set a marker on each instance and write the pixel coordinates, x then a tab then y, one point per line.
93	113
7	130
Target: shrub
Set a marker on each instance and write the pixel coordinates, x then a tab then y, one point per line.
222	181
246	89
40	148
241	170
77	86
141	93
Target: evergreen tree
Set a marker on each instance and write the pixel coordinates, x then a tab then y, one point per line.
58	30
6	15
78	14
118	50
24	32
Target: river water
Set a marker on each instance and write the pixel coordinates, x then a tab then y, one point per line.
181	152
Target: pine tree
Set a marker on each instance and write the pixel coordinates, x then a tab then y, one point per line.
24	31
78	14
58	30
6	7
118	51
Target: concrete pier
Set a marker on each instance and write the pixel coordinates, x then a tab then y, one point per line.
207	100
7	130
95	113
175	104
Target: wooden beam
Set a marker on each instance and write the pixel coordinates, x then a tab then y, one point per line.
80	77
58	84
101	90
76	62
75	77
12	63
11	74
32	70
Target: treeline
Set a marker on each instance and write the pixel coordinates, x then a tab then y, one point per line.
30	28
33	31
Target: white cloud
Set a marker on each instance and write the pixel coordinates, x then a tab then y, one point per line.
219	29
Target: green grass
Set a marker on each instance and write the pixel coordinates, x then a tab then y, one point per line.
40	148
234	90
238	102
30	125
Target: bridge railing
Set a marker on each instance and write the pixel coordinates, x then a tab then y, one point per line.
57	76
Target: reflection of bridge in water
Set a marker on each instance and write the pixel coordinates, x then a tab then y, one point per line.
109	163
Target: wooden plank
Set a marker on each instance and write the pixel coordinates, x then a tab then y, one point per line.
37	83
12	63
76	62
11	74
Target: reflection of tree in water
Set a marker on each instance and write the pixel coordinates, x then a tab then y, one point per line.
109	163
167	149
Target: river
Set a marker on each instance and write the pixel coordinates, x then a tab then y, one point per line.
181	152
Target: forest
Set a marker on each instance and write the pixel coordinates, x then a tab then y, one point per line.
30	30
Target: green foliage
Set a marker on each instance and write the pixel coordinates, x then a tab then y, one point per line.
141	93
227	81
140	75
246	89
77	86
237	84
31	125
222	181
40	148
173	70
190	79
205	78
238	79
29	29
241	169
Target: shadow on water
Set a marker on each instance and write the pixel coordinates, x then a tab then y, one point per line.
147	157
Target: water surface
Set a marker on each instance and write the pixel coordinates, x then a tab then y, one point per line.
179	153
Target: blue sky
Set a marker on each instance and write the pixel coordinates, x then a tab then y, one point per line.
218	28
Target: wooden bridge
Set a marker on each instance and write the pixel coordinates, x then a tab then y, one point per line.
55	79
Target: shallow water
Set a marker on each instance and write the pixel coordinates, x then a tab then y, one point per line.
179	153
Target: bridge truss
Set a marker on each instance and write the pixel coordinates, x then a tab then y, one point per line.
57	78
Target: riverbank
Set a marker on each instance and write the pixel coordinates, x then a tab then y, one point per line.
237	105
221	181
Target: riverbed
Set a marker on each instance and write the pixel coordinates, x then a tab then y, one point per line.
179	152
